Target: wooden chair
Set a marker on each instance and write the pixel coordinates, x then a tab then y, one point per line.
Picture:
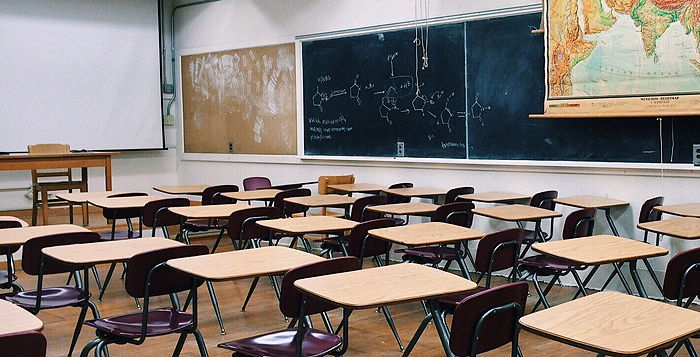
41	187
323	182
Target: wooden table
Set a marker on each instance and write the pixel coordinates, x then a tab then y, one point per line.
603	249
81	160
357	187
297	227
597	202
16	319
182	189
208	211
423	192
85	197
684	228
115	251
517	212
495	197
614	324
410	208
265	194
13	218
685	210
387	285
123	202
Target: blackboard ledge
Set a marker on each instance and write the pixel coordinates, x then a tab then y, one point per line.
607	115
247	158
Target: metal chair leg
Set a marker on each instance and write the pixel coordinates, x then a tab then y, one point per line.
250	292
78	327
417	335
215	304
107	279
390	321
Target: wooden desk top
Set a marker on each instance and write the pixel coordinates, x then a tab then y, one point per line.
69	155
13	218
209	211
83	197
601	249
18	236
516	213
426	234
357	187
415	191
590	202
685	210
243	264
16	319
182	189
107	251
322	200
685	227
411	208
614	323
310	224
123	202
387	285
494	197
255	195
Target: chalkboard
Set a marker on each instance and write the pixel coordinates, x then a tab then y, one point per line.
363	95
505	83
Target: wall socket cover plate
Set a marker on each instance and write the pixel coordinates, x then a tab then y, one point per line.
696	154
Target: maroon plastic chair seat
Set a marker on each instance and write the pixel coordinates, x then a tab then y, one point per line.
428	255
549	263
118	235
50	297
282	343
160	322
451	301
23	344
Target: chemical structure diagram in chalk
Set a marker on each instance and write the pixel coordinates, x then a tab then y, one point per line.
477	109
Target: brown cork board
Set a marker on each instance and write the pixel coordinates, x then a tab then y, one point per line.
246	97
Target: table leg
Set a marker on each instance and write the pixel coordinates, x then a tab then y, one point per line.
610	221
440	326
622	278
215	304
108	174
462	264
637	280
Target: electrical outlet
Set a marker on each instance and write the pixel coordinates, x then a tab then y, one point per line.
400	149
168	120
230	147
696	154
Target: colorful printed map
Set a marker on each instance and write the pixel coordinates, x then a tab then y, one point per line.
618	48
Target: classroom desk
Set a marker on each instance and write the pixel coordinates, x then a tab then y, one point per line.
684	210
411	208
299	226
83	198
81	160
19	236
123	202
265	194
597	202
114	251
517	212
204	212
603	249
329	200
495	197
16	319
429	233
420	192
614	324
13	218
350	188
182	189
387	285
684	228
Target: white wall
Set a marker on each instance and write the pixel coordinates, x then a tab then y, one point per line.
240	23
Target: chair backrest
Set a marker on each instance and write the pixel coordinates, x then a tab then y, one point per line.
163	279
256	183
211	195
682	279
290	297
498	251
324	181
241	224
23	344
31	252
391	198
499	308
10	224
287	209
361	245
359	212
123	213
156	213
647	212
451	195
457	213
544	199
579	223
49	149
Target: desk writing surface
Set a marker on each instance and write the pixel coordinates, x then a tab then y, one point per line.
254	195
13	218
123	202
83	197
243	264
182	189
322	200
16	319
494	196
107	251
590	202
426	234
685	227
685	210
310	224
410	208
614	323
208	211
18	236
415	191
600	249
391	284
357	187
516	213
